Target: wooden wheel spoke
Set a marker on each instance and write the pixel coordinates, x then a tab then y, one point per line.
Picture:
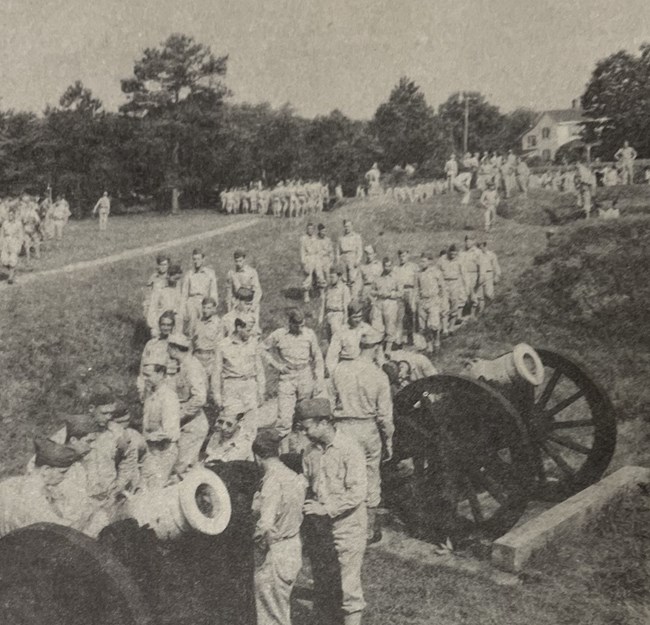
562	464
569	443
549	388
491	486
565	403
578	423
474	503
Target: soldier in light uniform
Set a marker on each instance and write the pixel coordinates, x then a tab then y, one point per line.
326	249
350	253
334	466
406	272
431	301
161	423
369	272
508	172
523	175
385	308
470	260
199	282
490	200
346	342
11	240
206	335
334	304
31	229
584	183
156	349
278	508
103	208
192	392
492	271
451	171
453	272
295	353
232	438
311	261
157	280
59	214
238	380
363	410
625	158
167	298
243	276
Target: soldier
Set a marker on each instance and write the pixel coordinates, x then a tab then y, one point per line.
350	253
11	240
453	272
523	175
167	298
300	364
161	423
278	507
198	283
243	276
451	171
206	335
335	469
492	271
369	271
345	343
311	261
364	412
238	380
418	365
157	280
192	391
406	272
508	171
157	348
584	184
470	259
58	215
385	308
625	158
103	207
431	301
31	229
243	308
232	439
490	200
326	249
334	304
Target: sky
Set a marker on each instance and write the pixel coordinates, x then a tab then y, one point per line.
327	54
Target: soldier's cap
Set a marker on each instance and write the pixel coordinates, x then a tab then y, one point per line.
174	270
155	359
80	425
355	308
267	443
296	316
122	412
317	408
179	340
239	254
369	249
371	337
245	294
53	454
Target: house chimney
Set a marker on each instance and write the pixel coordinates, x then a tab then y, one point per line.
574	105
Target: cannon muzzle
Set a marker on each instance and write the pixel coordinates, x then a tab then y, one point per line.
522	363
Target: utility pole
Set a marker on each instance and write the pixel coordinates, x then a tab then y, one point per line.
466	129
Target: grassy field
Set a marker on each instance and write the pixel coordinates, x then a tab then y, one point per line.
62	334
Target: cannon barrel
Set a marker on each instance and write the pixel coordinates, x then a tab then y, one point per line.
522	363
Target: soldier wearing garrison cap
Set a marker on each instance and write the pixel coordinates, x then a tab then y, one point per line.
167	298
334	303
334	466
243	276
345	344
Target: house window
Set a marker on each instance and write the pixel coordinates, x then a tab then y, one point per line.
546	133
532	141
546	155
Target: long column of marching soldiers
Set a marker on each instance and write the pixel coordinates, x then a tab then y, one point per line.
202	388
293	198
25	222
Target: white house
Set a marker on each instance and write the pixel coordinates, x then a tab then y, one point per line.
552	130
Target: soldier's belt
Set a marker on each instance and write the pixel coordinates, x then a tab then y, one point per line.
241	378
408	286
332	310
451	279
204	351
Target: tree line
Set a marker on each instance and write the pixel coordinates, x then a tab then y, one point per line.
178	139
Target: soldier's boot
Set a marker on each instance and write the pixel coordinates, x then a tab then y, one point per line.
305	297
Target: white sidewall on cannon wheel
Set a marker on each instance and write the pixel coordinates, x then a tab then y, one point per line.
220	500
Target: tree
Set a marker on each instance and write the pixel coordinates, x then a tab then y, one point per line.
176	87
485	121
513	126
405	126
619	90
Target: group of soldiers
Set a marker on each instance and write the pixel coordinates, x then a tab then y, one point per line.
24	223
294	198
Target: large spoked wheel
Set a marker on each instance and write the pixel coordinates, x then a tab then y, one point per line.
471	464
53	575
572	425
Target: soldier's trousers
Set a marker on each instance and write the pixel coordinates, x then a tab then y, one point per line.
189	444
274	580
292	388
385	318
313	270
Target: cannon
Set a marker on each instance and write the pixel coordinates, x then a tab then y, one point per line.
470	453
479	446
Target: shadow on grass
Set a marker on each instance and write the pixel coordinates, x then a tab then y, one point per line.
293	293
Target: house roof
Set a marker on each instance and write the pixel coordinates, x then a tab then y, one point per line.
566	115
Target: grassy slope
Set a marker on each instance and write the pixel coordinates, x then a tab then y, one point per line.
54	331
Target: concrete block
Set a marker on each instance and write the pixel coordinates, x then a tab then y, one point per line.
512	551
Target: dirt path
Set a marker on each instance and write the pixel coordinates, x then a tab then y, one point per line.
135	253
